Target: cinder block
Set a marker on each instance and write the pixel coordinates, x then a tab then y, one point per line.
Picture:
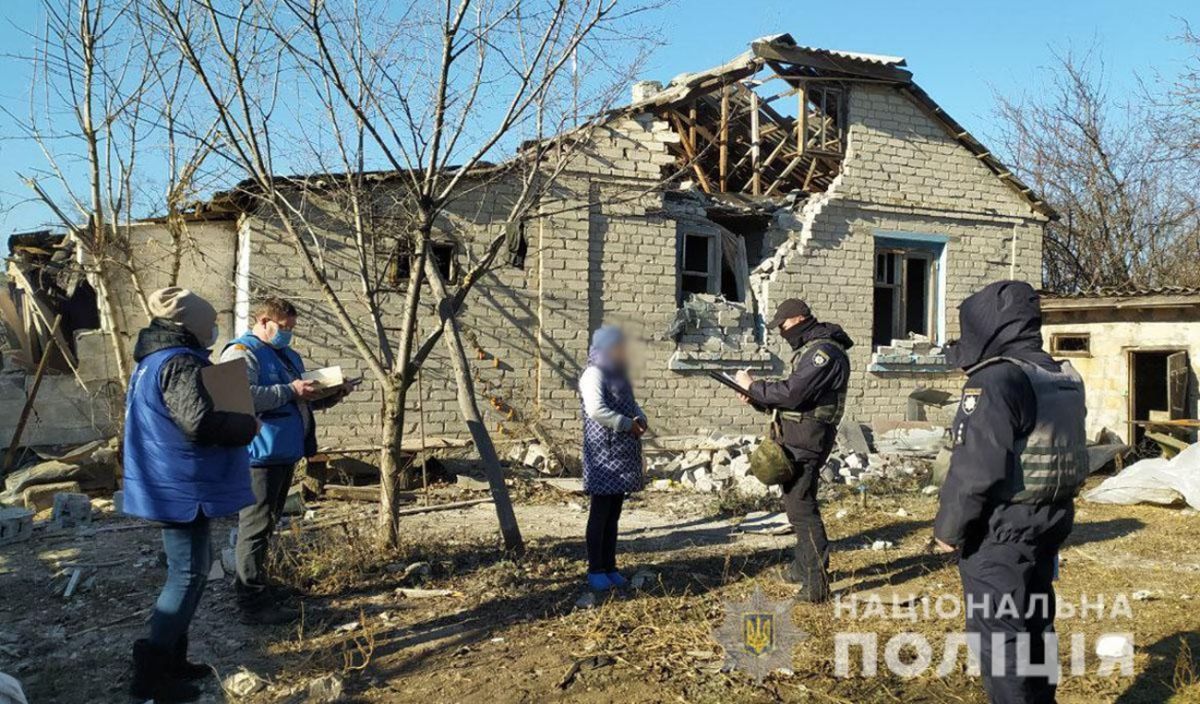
71	510
16	525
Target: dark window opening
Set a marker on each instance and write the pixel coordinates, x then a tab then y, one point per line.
1071	344
443	257
916	289
695	274
695	253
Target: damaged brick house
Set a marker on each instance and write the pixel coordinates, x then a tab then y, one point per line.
788	171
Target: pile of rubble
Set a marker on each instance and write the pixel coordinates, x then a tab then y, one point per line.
717	463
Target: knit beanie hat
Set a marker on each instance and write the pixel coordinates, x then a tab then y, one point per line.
186	309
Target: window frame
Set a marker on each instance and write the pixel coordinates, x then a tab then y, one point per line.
930	248
713	273
1057	337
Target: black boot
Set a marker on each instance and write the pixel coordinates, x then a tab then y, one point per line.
260	608
181	669
152	677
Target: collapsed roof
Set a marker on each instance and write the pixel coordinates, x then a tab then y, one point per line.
773	120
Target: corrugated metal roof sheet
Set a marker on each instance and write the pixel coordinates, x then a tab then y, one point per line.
1128	291
880	59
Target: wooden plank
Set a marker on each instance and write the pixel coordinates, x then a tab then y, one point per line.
801	118
724	158
368	493
689	151
755	138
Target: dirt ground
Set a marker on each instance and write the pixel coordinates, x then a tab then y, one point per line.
510	630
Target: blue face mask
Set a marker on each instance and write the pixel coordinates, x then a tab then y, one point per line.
281	339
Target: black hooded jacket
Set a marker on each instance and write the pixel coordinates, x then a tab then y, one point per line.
187	400
998	406
821	370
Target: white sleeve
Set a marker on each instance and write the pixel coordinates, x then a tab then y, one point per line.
591	389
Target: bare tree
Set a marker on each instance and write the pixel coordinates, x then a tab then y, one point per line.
427	94
102	97
1128	202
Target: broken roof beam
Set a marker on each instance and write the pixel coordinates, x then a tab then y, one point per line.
787	52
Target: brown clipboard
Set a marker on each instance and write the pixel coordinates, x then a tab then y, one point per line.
229	386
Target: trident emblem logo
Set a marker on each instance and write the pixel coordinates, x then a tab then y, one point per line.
758	633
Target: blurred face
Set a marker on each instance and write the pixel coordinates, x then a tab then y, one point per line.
619	354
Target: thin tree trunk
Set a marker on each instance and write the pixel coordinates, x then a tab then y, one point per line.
392	477
469	407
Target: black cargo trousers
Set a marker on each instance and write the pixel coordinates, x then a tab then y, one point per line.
811	562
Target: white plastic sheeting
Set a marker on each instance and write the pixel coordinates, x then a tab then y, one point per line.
1154	481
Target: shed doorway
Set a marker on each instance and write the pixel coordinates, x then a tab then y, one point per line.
1158	388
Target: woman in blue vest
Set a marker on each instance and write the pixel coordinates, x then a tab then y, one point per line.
185	463
613	425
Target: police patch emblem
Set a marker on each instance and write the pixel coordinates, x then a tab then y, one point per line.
820	359
970	400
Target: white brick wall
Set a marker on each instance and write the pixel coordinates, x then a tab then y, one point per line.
609	256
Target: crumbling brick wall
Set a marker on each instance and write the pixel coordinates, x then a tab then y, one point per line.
606	252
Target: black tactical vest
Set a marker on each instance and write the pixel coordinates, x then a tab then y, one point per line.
830	406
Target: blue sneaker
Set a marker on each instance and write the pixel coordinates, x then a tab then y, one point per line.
599	582
617	580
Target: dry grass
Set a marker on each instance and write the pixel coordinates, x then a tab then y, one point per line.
525	641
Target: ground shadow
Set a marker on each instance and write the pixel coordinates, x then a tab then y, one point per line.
900	571
1173	668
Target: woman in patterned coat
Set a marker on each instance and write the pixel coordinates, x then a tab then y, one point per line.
613	425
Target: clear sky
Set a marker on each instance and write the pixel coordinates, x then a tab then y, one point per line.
962	53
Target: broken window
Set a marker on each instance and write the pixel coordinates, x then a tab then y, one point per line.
699	270
713	263
1079	344
825	120
906	293
443	256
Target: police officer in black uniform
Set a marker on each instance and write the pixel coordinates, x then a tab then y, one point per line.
807	406
1020	455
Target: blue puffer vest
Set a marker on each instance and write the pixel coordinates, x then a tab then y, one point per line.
612	460
168	477
282	439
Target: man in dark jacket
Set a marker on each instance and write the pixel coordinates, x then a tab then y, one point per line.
1020	454
808	406
185	463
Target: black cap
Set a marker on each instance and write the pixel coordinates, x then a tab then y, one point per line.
790	308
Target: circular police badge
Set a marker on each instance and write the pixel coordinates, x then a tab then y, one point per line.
820	359
970	400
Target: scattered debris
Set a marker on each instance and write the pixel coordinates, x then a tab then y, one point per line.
243	683
765	523
1143	595
325	690
882	545
593	662
643	578
409	593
